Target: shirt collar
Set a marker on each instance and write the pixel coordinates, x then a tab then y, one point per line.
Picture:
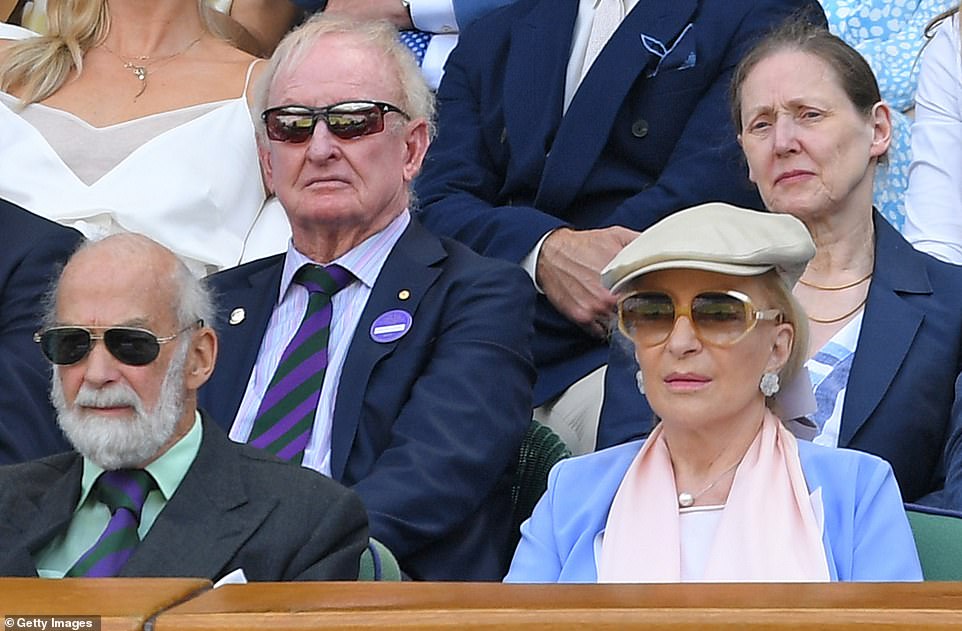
168	470
364	260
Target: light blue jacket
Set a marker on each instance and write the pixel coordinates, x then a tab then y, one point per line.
866	535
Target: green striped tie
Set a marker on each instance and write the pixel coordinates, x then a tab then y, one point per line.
285	417
124	492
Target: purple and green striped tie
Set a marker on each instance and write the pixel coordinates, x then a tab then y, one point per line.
285	417
124	492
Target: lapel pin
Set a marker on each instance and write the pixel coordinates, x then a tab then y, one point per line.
391	325
237	316
404	294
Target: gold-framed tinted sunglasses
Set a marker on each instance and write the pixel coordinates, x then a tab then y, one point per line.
719	318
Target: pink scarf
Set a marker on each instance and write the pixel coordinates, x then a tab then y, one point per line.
768	530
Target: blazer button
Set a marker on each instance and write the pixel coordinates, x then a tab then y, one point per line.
639	129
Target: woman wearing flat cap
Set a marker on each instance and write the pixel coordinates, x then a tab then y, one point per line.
720	490
886	321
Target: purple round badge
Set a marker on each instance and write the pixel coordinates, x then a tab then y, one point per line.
391	325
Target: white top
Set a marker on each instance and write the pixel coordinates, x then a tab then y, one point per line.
696	532
933	206
196	187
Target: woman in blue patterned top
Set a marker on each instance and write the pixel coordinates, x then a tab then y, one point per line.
889	34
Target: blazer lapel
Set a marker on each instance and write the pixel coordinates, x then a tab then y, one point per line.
535	72
35	525
587	124
207	520
257	297
889	326
411	266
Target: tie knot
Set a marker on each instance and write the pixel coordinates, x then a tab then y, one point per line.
325	280
124	488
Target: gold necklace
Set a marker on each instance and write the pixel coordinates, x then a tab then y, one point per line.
841	317
141	70
837	287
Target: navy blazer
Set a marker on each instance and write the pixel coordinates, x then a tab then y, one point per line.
237	508
426	428
901	387
33	250
647	133
901	390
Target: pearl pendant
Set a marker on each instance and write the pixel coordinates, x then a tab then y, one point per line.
685	499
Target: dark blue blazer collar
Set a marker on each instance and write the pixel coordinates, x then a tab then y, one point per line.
538	59
889	325
410	270
411	265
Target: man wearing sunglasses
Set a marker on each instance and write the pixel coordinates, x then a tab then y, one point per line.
565	127
154	487
396	362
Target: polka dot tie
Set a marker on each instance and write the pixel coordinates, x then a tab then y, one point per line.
417	42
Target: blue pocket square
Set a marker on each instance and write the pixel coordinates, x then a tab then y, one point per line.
677	55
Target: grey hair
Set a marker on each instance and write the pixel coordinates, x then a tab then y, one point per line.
193	299
417	100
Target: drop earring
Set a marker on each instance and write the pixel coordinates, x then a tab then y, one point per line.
769	384
640	380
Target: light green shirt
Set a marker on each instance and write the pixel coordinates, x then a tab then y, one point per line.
90	518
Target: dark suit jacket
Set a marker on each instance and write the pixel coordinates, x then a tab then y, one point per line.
647	133
901	388
237	507
426	428
33	250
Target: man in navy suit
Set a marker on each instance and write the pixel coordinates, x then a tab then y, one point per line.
33	250
424	393
558	141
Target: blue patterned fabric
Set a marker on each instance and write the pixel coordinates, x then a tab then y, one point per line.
830	380
889	34
417	42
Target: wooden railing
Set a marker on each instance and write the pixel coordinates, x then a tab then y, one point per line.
185	605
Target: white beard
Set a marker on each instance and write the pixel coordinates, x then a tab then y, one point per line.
114	443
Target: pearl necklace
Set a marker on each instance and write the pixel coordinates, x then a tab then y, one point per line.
686	499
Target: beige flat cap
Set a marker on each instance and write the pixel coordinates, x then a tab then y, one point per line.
716	237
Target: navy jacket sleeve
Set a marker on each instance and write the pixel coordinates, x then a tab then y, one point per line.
33	252
463	421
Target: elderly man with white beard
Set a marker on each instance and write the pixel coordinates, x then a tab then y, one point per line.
154	487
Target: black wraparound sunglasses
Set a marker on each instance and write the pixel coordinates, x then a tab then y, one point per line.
65	345
346	120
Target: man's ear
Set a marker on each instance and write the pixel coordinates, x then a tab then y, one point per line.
416	141
201	358
264	154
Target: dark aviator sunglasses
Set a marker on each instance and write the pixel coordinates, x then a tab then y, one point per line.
65	345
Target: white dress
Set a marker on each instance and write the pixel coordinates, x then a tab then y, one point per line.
195	187
933	220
